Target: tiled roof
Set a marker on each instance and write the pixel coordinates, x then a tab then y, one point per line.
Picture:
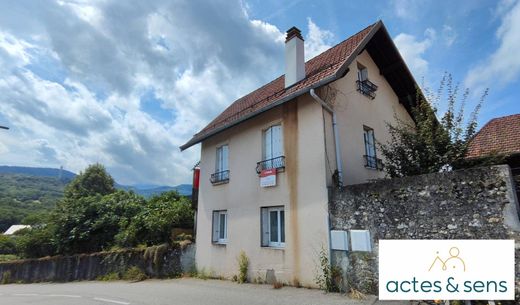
500	136
318	69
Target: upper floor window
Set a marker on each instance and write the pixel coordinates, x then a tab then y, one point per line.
273	156
365	86
371	160
221	174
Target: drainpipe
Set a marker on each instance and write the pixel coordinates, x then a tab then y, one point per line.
338	159
334	131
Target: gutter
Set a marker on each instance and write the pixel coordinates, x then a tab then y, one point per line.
335	132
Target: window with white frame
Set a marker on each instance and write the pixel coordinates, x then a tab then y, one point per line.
362	73
273	227
273	147
221	174
370	147
220	224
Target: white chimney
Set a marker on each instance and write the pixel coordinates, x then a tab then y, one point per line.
294	57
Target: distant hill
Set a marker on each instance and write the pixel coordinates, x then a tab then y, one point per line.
145	190
29	190
22	195
38	171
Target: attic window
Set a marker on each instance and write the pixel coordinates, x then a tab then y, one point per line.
365	86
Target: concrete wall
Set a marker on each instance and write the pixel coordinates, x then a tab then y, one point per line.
300	189
157	262
477	203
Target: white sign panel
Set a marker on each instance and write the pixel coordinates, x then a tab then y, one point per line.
446	270
268	177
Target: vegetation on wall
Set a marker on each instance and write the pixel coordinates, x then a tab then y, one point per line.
434	143
93	216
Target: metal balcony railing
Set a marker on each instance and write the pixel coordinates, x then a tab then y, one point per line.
278	163
220	177
367	88
373	162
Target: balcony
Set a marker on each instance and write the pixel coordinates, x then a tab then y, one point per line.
278	163
219	177
373	162
367	88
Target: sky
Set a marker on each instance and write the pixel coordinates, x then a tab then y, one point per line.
125	83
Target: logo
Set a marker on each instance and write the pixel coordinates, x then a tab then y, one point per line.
446	269
454	261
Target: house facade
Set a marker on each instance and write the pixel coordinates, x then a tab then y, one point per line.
269	160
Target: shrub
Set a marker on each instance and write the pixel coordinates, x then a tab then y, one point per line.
243	263
7	245
134	274
6	277
36	243
328	276
112	276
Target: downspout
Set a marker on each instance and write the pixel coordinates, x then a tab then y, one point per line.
334	132
338	160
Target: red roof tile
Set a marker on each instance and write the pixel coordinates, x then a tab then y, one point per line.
500	135
319	68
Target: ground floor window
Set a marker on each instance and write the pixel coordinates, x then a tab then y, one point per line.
273	226
219	227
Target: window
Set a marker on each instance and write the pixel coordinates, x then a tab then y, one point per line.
273	149
219	227
362	73
371	160
273	227
365	86
221	174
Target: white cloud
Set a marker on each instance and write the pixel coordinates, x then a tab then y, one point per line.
72	75
317	40
503	65
449	35
412	49
405	9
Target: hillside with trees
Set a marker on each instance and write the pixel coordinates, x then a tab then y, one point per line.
24	197
93	216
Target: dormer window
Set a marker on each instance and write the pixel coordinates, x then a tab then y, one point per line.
365	86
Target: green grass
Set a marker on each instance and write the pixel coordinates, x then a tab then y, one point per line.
8	257
112	276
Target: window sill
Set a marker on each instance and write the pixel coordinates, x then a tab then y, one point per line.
220	243
220	182
274	247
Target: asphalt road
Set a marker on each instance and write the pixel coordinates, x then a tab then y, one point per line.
166	292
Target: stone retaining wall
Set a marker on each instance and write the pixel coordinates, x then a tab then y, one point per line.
156	262
477	203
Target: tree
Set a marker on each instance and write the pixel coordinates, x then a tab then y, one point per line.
161	214
90	224
94	181
432	145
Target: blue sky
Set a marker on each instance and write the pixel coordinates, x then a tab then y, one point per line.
125	83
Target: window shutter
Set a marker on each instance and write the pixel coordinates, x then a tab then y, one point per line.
214	235
264	228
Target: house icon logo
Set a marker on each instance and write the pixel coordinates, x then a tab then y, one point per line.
453	262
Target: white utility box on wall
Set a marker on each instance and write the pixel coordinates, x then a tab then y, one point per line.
339	240
360	240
